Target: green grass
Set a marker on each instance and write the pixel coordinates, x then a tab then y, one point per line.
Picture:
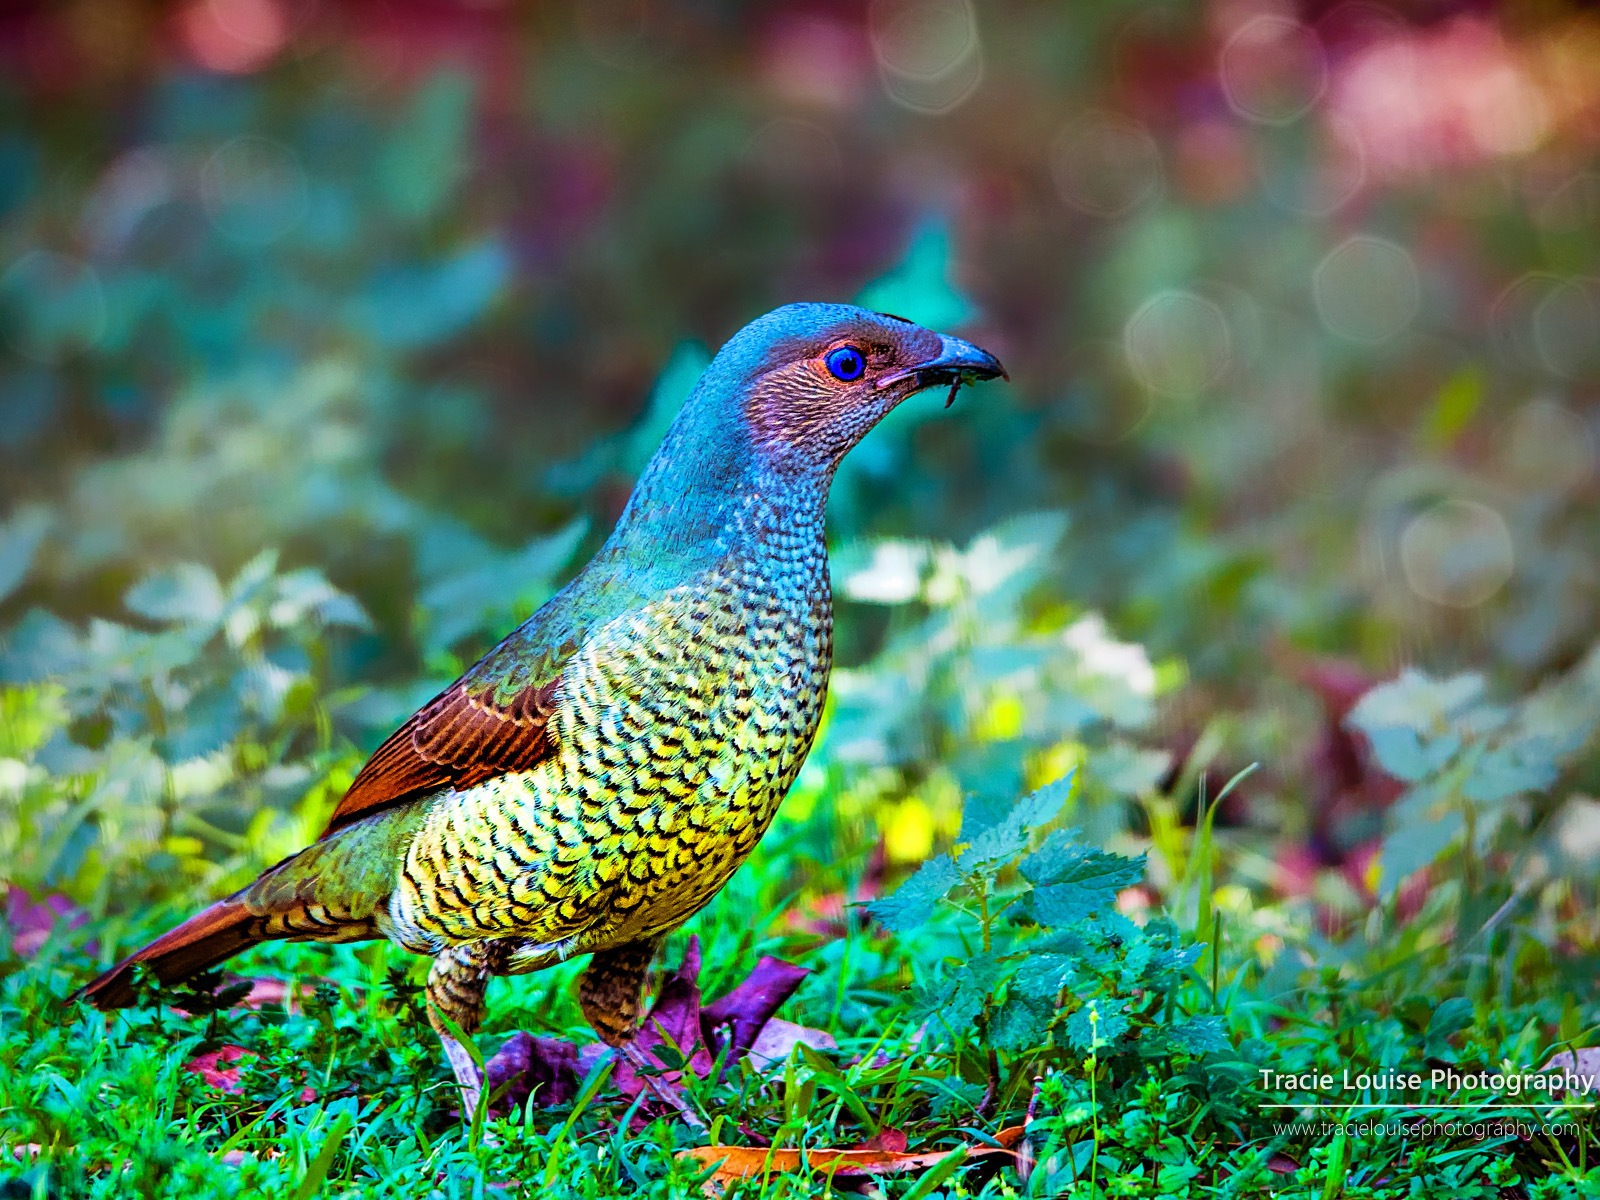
113	1111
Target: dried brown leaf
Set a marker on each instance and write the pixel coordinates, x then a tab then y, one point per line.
733	1163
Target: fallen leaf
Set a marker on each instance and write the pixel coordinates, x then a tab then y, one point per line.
234	1158
750	1005
1584	1063
888	1139
217	1070
546	1068
32	921
550	1068
778	1037
1345	777
733	1163
1277	1162
272	991
674	1020
211	1068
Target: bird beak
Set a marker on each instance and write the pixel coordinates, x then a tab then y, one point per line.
957	362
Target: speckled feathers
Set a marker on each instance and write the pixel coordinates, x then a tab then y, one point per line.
597	777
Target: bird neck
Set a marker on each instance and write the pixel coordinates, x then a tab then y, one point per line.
712	485
709	494
685	505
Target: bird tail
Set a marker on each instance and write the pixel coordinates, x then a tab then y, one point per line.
201	942
335	890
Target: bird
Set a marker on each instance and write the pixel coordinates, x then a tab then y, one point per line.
596	778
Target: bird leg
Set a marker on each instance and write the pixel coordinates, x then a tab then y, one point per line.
609	993
456	986
611	987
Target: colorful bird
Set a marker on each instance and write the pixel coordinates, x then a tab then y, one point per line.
596	778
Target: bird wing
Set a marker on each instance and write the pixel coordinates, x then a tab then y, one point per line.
492	721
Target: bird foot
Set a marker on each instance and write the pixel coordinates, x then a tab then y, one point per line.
468	1077
652	1082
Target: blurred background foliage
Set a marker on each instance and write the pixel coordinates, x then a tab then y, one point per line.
333	335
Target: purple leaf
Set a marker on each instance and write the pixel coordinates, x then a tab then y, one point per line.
752	1003
544	1067
33	921
674	1020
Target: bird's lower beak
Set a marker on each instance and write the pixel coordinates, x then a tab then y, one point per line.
956	363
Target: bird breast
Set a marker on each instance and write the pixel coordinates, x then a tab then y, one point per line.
679	726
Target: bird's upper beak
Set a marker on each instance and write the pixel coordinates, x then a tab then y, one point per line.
956	363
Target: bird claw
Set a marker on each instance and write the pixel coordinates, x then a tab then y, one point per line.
468	1077
658	1087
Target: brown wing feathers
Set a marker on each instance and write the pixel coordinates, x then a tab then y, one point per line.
457	740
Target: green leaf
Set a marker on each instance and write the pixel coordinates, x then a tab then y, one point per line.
672	387
1451	1016
919	287
1088	1035
1137	953
473	588
982	811
1005	839
1073	881
914	901
884	571
935	1178
425	303
1414	845
306	594
1200	1035
20	539
1453	408
1020	1023
317	1171
186	593
1507	771
958	998
1415	701
1406	756
1128	770
428	154
1042	975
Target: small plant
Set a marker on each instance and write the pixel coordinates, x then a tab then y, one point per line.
1039	977
1472	766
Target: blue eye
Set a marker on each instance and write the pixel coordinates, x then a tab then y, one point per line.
846	363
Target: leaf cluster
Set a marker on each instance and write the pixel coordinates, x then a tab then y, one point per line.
1047	974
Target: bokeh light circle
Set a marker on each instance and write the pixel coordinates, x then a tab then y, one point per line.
928	53
1546	448
1511	318
1573	206
1106	164
234	36
1457	553
54	303
1367	289
1566	329
795	152
254	190
1178	343
1272	70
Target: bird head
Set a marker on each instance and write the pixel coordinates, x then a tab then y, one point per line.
816	377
